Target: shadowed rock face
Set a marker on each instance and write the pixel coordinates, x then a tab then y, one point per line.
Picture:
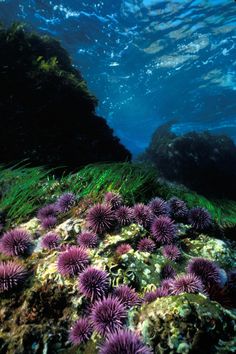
201	161
47	113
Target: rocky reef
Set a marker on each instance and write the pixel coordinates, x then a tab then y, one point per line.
46	107
104	275
203	162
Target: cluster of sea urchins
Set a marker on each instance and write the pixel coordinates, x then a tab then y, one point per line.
14	243
48	215
158	216
202	276
107	306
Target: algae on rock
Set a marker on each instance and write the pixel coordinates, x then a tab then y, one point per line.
185	324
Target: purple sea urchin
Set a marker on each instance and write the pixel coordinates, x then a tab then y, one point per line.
113	199
127	295
162	291
188	283
87	239
150	296
49	222
15	242
81	331
178	209
171	252
12	275
108	315
143	215
123	248
100	218
205	269
153	295
200	219
47	211
146	245
124	215
124	342
167	272
94	283
163	230
50	241
73	261
65	202
159	206
166	284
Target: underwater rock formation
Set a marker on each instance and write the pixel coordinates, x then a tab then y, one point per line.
46	108
201	161
187	323
130	291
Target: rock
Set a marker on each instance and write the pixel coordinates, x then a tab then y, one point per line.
70	228
186	324
31	226
214	249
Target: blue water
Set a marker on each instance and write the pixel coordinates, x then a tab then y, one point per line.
147	61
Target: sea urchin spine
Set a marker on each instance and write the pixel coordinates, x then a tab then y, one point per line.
159	206
146	245
113	199
50	241
12	275
108	315
127	295
143	215
100	218
81	331
124	342
73	261
206	270
93	283
188	283
87	239
15	242
65	202
124	215
200	219
163	230
171	252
